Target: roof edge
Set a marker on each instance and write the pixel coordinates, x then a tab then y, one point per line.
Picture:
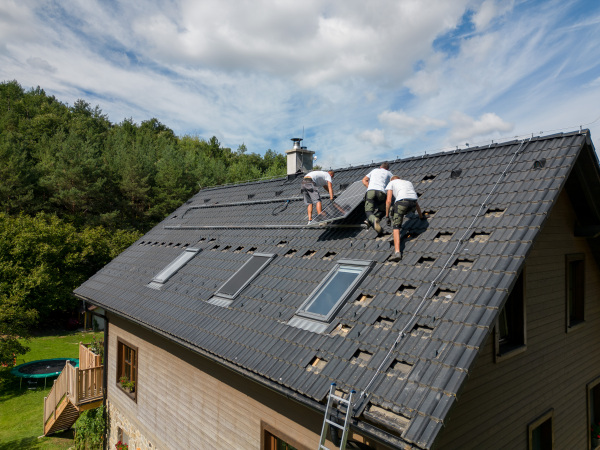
362	426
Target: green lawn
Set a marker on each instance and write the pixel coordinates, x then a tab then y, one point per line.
21	409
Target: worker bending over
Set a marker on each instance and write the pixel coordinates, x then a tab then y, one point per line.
310	189
405	202
375	182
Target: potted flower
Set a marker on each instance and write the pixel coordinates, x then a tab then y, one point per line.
595	435
120	446
130	386
127	385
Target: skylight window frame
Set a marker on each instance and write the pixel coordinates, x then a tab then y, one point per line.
363	265
174	266
221	295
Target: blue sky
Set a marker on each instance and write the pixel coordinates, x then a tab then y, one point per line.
362	80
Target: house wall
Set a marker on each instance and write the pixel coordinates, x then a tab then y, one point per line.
501	398
187	401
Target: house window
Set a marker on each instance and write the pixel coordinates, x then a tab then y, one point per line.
593	399
574	289
273	442
331	294
541	433
510	330
274	439
163	276
239	280
127	364
122	437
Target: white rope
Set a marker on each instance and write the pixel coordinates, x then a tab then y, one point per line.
437	279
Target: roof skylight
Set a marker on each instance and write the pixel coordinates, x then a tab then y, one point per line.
331	294
171	269
239	280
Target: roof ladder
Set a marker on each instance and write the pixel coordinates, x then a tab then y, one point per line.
339	404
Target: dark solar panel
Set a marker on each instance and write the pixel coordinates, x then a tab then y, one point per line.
343	205
244	275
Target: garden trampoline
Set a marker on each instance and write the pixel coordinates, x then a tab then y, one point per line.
42	368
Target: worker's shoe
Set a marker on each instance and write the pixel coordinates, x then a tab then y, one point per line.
367	223
377	226
397	256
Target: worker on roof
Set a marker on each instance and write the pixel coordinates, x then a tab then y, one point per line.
405	201
311	183
375	182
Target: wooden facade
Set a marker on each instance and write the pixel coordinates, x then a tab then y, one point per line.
503	396
185	400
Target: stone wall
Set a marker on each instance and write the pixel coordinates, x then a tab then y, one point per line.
116	420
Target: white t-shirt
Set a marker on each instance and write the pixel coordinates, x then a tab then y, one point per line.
378	179
402	190
319	177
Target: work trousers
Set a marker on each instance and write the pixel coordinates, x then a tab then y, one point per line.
375	205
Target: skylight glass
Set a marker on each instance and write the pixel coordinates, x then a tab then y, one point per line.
175	265
327	299
244	275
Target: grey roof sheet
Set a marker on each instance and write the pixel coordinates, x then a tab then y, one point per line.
253	332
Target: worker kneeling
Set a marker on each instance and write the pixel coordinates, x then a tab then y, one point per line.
405	202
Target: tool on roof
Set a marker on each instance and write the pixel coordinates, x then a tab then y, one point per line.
338	404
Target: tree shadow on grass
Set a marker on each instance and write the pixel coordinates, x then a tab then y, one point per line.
64	439
12	386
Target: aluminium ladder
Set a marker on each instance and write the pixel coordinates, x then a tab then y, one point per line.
327	422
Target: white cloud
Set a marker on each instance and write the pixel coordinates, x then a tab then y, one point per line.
374	137
311	42
41	64
259	72
425	83
465	127
411	125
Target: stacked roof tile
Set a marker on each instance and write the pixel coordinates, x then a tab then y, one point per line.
444	296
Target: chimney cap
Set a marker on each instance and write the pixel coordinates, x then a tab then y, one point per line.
296	139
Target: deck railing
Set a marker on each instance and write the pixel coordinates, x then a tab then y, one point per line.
87	358
57	393
80	385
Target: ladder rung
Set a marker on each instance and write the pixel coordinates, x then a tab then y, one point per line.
340	399
323	447
330	422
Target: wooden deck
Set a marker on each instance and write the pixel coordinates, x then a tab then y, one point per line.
76	389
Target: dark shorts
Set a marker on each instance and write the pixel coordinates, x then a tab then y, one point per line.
375	203
400	209
310	192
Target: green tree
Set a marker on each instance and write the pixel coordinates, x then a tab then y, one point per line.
43	259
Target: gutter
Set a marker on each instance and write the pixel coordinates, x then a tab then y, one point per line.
365	429
104	370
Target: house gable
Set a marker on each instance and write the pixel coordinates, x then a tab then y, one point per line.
407	336
554	371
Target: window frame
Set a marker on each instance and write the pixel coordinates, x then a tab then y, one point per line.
532	426
174	266
266	430
120	367
591	386
571	322
365	267
122	436
224	297
508	349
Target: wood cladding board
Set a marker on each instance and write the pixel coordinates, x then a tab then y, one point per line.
187	401
501	398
